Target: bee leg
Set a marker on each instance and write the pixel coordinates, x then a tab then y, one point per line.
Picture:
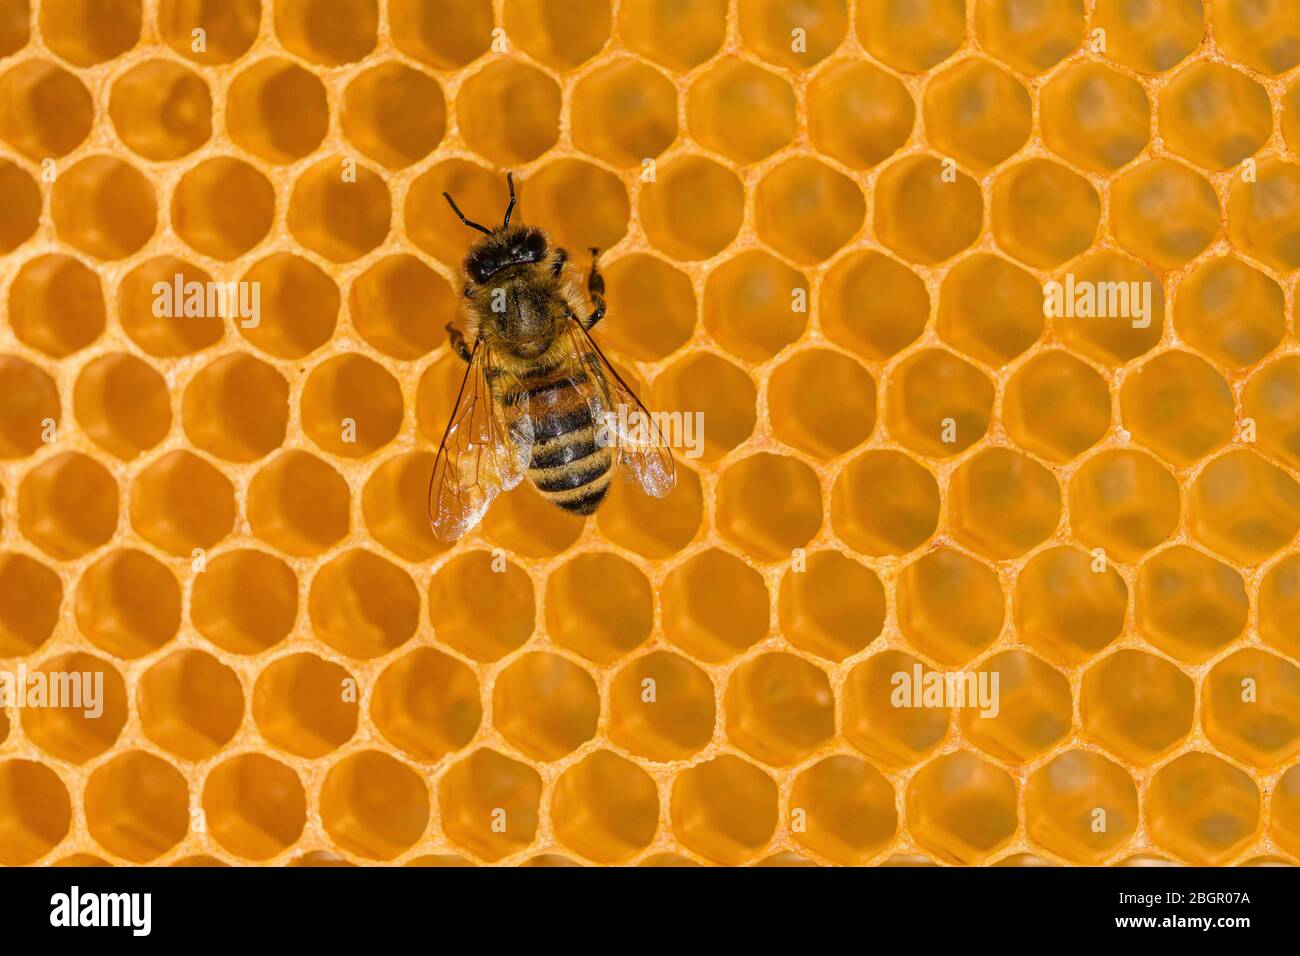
561	257
457	341
596	289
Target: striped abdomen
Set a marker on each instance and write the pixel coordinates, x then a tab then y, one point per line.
567	466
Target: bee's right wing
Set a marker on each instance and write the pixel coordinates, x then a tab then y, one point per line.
485	451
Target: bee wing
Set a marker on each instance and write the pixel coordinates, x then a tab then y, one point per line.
622	421
485	451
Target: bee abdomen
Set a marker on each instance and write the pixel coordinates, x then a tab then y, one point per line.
568	466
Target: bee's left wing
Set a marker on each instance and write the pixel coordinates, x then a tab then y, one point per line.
640	451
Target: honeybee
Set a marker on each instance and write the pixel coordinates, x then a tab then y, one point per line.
539	397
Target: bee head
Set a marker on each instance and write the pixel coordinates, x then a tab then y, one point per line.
503	246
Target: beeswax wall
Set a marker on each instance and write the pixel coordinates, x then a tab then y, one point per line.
828	226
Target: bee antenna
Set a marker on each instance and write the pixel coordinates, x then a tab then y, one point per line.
510	181
456	209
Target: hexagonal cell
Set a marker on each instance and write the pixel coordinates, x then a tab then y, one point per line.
298	504
31	597
1002	503
913	36
768	505
1115	311
1124	502
793	35
779	708
305	705
977	113
35	811
1244	507
85	33
1279	602
29	403
1265	36
751	305
22	213
892	736
606	808
560	33
489	804
950	606
351	406
45	111
451	35
655	305
1272	400
1163	213
493	626
714	606
677	35
122	404
427	704
362	605
807	210
1202	808
128	603
1251	703
1066	607
661	707
834	607
328	32
245	601
605	623
525	523
545	705
741	110
708	385
858	113
255	806
1027	711
653	527
848	809
1030	35
56	305
961	808
822	402
180	502
1178	406
926	213
161	110
582	205
1214	115
509	112
1081	806
67	505
990	308
624	112
724	809
277	110
78	734
340	217
1229	311
884	503
1262	215
104	207
236	408
1095	117
190	704
394	504
693	209
222	208
15	30
299	306
1150	37
137	806
1136	705
161	335
938	404
229	28
855	316
1056	406
396	305
394	114
1044	214
374	805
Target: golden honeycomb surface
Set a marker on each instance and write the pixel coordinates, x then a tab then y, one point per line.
827	226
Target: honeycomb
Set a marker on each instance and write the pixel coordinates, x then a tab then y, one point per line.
829	226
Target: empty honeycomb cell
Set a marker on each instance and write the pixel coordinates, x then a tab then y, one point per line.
340	209
1262	215
394	504
56	305
35	811
78	733
374	805
884	503
848	809
714	606
822	402
525	523
779	708
1179	407
1251	708
427	704
1112	308
1095	117
394	114
67	505
1214	115
255	806
327	32
990	308
237	408
1244	508
122	404
1028	708
223	207
855	316
161	110
793	35
351	406
104	207
297	306
1056	406
1029	35
1081	806
1136	705
1202	808
769	505
452	34
661	707
245	601
128	603
624	112
832	608
858	113
912	35
950	606
605	807
31	596
1152	36
961	808
1044	214
654	304
137	806
21	216
1066	608
305	705
181	502
1279	603
509	112
677	35
86	32
1002	503
397	305
1124	502
277	110
925	212
481	605
15	28
599	605
1163	212
298	504
751	306
807	210
228	27
977	113
938	404
489	804
892	736
545	705
45	111
581	205
191	704
1272	400
430	223
693	209
704	384
741	110
1230	312
724	809
1263	34
29	404
562	34
653	527
362	605
143	315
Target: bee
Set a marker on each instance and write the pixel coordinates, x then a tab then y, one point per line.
539	397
